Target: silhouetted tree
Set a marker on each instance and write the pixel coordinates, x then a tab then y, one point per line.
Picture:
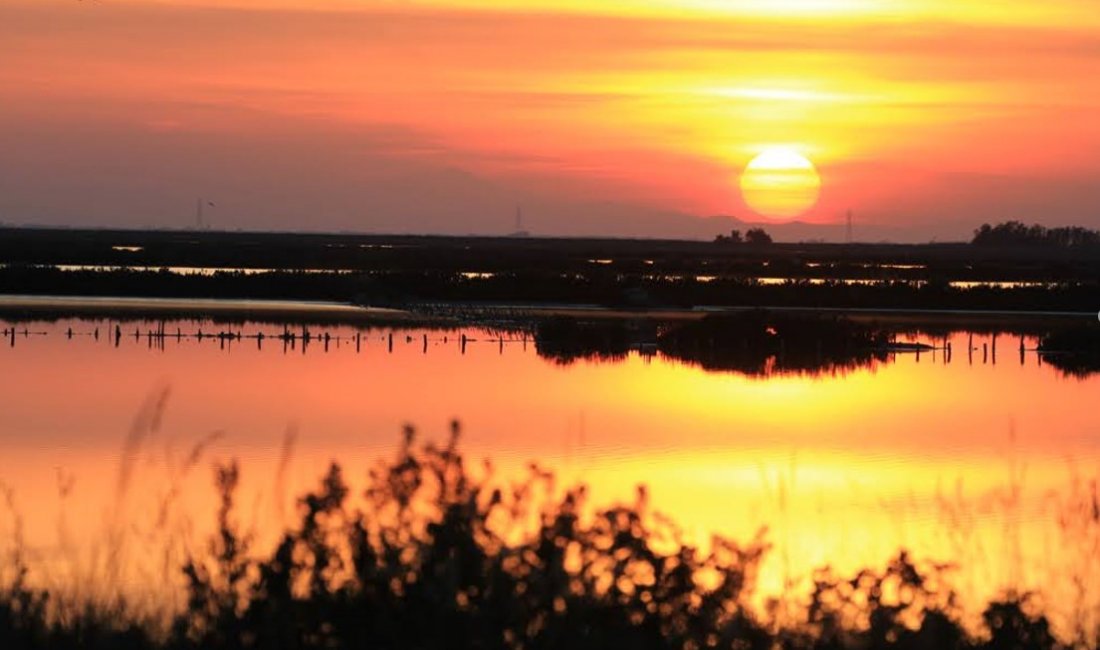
733	238
757	237
1015	233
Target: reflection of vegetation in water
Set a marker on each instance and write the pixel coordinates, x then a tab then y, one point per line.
762	343
754	343
1074	351
565	340
438	557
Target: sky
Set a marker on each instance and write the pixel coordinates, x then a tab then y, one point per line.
925	118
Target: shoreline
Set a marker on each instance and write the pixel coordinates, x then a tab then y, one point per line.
25	306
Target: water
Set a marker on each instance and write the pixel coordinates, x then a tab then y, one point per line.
972	460
186	305
488	275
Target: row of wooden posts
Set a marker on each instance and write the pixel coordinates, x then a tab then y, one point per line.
988	350
157	337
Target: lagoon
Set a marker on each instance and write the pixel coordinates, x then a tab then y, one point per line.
975	458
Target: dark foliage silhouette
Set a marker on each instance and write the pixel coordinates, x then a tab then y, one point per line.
733	238
757	237
436	557
1015	233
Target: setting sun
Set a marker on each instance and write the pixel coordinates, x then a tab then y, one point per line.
780	183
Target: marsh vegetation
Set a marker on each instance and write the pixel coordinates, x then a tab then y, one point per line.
414	272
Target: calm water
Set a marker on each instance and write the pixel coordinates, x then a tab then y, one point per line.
971	461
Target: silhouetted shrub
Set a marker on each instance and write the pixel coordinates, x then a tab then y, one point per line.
437	557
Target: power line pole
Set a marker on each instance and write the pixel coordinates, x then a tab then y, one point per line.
200	221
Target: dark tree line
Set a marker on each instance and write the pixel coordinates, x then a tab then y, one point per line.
752	237
1015	233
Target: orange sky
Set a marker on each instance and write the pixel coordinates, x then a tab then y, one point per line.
926	117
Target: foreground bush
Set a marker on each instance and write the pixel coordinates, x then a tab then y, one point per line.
437	558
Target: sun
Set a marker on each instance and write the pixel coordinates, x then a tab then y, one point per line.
780	183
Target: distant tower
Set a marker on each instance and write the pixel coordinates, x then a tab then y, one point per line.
200	222
848	234
519	231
